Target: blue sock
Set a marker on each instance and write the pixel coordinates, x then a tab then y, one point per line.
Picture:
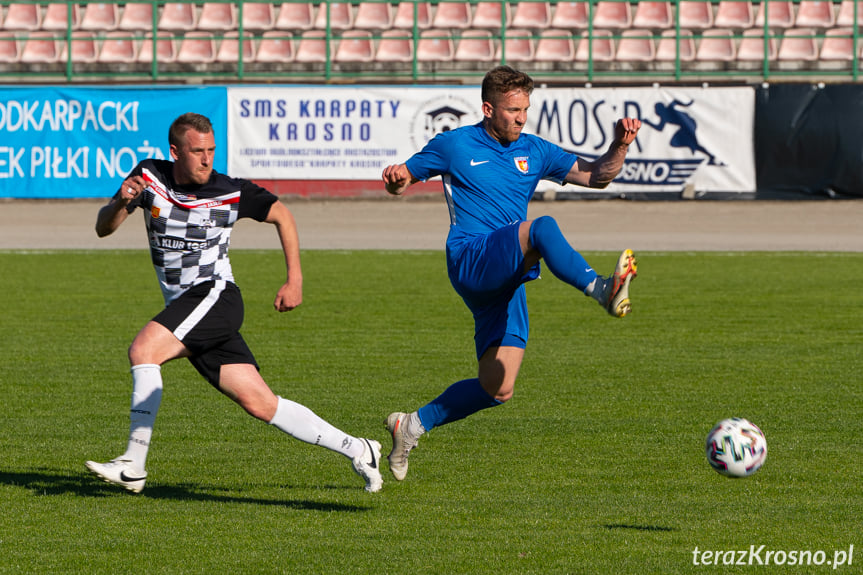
563	261
457	402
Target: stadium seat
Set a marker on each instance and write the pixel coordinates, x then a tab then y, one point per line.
340	16
177	17
405	15
118	47
312	47
517	47
838	44
532	15
490	15
57	17
84	47
355	46
258	16
614	15
475	46
653	15
814	14
395	46
451	15
10	47
166	48
22	17
845	17
374	16
276	46
229	48
636	45
217	17
695	14
600	49
734	14
554	45
666	48
717	45
799	45
137	16
780	14
570	16
435	46
41	47
197	47
295	16
100	16
752	46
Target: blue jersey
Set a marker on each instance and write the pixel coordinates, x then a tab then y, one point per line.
487	184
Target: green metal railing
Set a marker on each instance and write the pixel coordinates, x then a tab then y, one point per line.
591	69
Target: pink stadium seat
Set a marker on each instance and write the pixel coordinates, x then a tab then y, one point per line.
395	46
666	49
41	47
258	16
118	48
734	14
276	46
405	15
490	15
84	47
798	44
22	17
717	45
780	14
838	45
312	47
374	16
695	14
475	46
197	47
814	14
136	16
100	16
653	15
340	16
752	46
57	17
519	46
636	45
570	15
615	15
554	45
355	46
229	48
177	17
295	16
166	48
217	17
435	46
10	47
601	49
846	13
533	15
452	15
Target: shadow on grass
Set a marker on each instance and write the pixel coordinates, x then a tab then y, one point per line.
611	526
51	482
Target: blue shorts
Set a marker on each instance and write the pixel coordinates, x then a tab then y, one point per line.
486	270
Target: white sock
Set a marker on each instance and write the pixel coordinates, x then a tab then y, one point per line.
596	289
146	397
301	423
414	426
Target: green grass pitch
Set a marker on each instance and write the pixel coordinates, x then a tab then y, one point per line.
596	466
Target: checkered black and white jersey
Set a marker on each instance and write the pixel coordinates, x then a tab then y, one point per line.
189	227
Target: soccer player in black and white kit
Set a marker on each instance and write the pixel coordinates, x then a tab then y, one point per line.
189	212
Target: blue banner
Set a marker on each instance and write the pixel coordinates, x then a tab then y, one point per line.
58	142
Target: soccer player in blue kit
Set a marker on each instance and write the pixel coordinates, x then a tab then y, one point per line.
490	171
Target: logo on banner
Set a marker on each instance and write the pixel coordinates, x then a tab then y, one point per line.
685	131
440	114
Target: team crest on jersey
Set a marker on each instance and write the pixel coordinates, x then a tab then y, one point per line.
154	211
521	164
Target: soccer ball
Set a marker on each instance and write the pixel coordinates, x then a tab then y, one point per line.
736	447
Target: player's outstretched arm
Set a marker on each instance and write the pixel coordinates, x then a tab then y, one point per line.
114	213
397	178
599	173
290	295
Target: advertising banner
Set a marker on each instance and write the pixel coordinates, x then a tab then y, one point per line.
58	142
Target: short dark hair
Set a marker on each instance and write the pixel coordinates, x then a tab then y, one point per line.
502	79
184	123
